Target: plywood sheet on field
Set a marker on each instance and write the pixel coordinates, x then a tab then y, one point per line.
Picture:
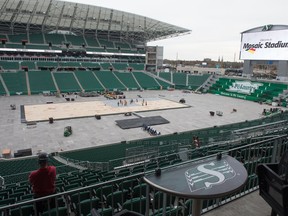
69	110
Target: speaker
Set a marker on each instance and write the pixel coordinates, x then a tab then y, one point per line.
98	117
16	154
157	172
24	152
51	120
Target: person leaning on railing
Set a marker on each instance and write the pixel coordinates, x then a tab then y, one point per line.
43	182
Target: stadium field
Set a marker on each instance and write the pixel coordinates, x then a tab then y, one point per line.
88	132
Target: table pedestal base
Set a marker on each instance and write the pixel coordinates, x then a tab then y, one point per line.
196	207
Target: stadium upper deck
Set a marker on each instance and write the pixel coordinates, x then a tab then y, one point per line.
33	16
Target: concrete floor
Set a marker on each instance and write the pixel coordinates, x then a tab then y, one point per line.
249	205
89	132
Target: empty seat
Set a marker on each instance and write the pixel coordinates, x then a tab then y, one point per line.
136	204
26	210
85	206
61	211
139	190
117	198
104	191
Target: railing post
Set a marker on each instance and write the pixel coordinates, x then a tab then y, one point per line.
275	150
147	200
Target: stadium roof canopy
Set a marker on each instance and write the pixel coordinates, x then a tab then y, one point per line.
32	16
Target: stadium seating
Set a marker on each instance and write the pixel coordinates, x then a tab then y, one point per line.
2	89
95	49
106	66
90	65
46	64
146	81
120	66
55	39
88	81
266	92
37	47
195	81
14	46
109	80
137	66
106	43
180	79
122	45
36	38
92	42
165	75
66	82
127	193
75	40
3	36
9	65
128	80
15	82
30	65
41	81
17	38
163	84
69	64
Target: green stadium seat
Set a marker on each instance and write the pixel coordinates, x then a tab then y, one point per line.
85	206
27	210
61	211
117	198
146	81
137	204
139	190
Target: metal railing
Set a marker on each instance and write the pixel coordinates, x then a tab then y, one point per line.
128	192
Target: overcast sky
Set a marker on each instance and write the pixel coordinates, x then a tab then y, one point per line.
215	25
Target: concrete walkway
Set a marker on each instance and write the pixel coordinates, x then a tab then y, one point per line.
249	205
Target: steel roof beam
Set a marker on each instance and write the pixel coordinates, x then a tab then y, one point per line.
31	17
14	16
85	23
73	17
60	18
46	16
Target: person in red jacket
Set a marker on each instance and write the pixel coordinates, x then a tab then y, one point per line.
43	182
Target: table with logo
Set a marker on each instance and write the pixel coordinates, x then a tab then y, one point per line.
201	180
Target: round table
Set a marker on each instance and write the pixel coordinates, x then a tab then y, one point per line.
205	179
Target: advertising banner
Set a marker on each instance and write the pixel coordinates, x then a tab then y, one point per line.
266	45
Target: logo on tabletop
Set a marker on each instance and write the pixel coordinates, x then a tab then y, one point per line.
205	176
